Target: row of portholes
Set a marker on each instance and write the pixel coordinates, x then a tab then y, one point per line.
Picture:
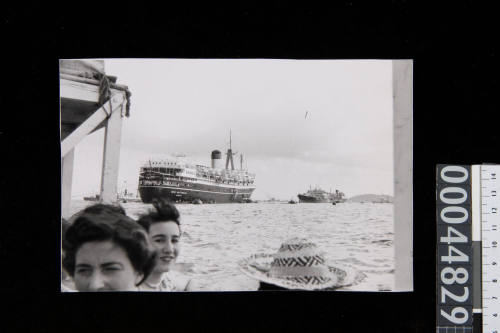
158	183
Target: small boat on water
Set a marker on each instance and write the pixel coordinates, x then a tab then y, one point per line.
122	197
128	198
125	200
94	198
292	201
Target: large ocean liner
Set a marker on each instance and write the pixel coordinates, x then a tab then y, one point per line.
181	181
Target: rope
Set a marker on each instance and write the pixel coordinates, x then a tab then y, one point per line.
127	109
105	94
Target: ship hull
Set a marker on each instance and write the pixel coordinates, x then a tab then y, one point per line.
309	199
207	194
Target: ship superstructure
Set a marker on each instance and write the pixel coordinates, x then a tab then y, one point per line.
181	181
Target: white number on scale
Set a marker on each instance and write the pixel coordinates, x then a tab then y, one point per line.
459	275
457	210
460	257
451	201
460	238
455	168
454	318
445	292
454	215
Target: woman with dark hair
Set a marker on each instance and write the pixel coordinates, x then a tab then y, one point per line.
105	250
164	230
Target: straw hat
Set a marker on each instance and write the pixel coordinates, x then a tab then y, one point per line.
299	264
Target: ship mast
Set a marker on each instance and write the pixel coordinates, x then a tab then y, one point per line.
241	161
230	154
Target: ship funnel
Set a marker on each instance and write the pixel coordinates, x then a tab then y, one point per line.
216	159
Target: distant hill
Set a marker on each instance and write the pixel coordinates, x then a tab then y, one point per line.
377	198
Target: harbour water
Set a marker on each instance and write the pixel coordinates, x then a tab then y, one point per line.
216	236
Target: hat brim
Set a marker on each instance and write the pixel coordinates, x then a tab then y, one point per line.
257	267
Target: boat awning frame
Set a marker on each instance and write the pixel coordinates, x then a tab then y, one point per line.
85	96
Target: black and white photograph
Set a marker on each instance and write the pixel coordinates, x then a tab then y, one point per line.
236	175
250	168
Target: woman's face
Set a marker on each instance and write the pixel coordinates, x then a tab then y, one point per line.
165	237
104	266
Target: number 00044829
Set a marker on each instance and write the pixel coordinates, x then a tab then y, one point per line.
454	245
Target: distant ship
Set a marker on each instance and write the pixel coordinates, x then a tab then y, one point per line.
180	181
318	195
126	196
94	198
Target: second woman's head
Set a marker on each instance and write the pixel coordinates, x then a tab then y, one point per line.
163	227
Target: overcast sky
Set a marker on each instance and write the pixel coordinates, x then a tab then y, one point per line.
188	106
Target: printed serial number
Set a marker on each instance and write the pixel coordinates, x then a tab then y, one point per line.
454	245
